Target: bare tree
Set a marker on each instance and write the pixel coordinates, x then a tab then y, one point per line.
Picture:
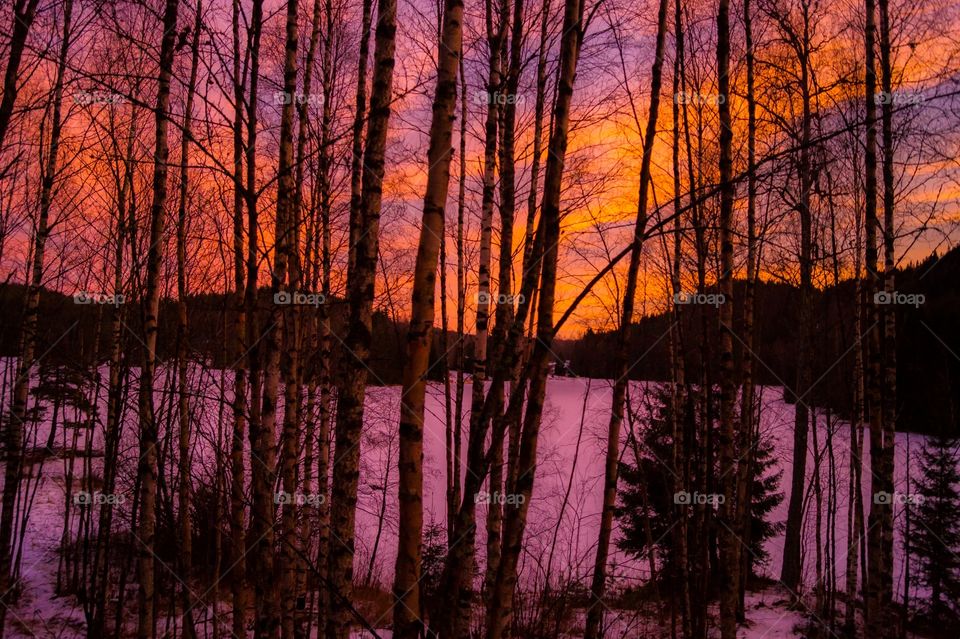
729	564
238	588
281	337
747	426
798	38
13	442
407	623
622	380
360	285
148	470
500	608
184	492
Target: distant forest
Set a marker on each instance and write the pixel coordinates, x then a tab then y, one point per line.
928	377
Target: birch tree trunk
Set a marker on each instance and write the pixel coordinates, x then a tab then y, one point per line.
854	503
350	431
465	536
454	437
505	298
114	401
792	568
873	588
680	455
461	307
746	441
500	609
888	318
282	359
407	622
259	536
508	206
729	564
238	587
494	85
359	117
539	108
184	494
360	285
323	352
507	353
13	441
147	467
307	331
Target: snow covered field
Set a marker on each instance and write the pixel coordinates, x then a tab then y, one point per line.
564	510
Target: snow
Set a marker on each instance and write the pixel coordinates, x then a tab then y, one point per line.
768	617
561	532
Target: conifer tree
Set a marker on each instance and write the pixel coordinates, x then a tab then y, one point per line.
936	536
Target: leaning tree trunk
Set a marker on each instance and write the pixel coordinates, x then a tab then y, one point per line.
359	117
539	108
500	609
598	585
24	11
13	442
505	299
495	42
147	470
407	623
360	285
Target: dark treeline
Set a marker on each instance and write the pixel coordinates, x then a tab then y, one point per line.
71	326
928	375
926	372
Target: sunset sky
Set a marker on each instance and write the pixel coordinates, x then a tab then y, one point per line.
599	199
